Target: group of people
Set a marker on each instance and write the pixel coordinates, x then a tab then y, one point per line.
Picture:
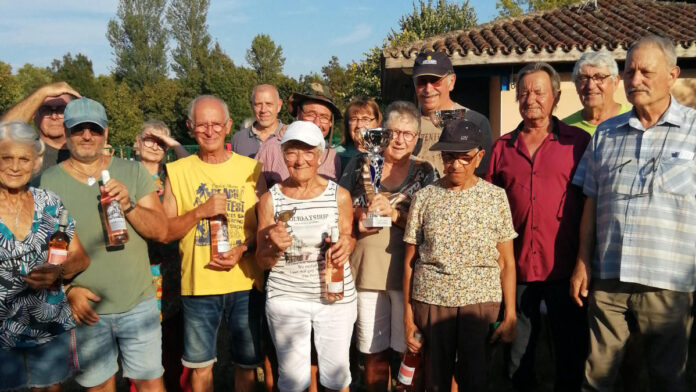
590	214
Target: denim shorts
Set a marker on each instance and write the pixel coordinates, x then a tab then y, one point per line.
243	314
136	334
36	367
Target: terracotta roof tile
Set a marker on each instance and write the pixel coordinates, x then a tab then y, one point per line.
614	24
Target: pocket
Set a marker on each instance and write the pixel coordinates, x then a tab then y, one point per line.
676	176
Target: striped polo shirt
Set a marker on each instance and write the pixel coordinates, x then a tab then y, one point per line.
644	181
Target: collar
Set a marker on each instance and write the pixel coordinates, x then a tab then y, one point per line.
672	116
275	133
555	131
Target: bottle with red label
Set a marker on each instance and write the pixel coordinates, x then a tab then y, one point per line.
112	215
58	243
334	286
409	367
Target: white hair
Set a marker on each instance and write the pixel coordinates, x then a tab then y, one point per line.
194	101
596	59
23	133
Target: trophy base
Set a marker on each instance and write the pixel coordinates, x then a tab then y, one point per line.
377	221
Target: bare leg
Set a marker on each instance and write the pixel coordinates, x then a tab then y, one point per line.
244	379
107	386
154	385
202	379
377	371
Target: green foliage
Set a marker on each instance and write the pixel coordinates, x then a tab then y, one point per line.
77	72
340	80
188	28
426	21
31	78
511	8
366	75
286	86
139	41
10	88
508	8
266	59
122	110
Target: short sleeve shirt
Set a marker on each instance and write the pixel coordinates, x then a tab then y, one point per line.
457	233
31	317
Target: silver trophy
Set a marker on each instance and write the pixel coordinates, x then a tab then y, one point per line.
285	216
374	141
440	118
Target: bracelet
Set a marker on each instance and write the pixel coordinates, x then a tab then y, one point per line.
68	290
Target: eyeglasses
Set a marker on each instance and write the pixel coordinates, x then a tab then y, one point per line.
45	111
152	143
202	127
461	158
361	120
597	78
435	81
310	116
293	155
408	136
93	129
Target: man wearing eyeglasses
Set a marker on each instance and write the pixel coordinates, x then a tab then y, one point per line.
46	106
636	267
216	183
266	103
534	164
596	77
316	105
433	79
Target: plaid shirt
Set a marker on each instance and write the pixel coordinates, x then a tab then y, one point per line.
644	181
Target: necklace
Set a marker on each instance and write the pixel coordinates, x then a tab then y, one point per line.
91	180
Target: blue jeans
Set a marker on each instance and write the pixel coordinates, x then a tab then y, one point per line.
36	367
243	313
136	334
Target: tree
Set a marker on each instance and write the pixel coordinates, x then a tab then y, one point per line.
340	80
266	59
139	41
77	72
508	8
31	78
187	21
11	91
121	104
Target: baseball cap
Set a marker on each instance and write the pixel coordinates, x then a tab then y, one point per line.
304	131
314	92
432	63
459	136
84	110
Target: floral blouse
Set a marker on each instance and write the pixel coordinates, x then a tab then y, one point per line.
31	317
457	232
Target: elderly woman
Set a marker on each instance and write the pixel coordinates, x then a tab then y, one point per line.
35	318
462	228
596	77
361	113
378	256
296	218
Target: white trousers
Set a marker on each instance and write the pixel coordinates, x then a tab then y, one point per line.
380	321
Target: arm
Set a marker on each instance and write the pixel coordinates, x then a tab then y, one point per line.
77	260
146	214
409	325
26	108
580	280
341	250
508	280
272	237
179	225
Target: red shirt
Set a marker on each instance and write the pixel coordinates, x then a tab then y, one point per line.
546	207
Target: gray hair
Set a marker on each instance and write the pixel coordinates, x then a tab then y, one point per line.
156	125
664	43
536	67
253	91
596	59
402	110
23	133
194	101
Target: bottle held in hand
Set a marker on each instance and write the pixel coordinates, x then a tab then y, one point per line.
58	243
334	286
409	366
219	240
115	221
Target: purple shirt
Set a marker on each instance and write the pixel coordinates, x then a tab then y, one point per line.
546	207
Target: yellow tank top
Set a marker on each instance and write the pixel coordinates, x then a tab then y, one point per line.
193	181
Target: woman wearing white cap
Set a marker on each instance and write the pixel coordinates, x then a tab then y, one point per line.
296	218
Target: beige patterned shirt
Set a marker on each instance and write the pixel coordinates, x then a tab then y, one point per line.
457	233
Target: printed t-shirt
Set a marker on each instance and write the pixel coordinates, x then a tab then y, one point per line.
119	275
193	181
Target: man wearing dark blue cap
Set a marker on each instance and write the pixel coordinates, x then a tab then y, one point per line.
113	301
433	79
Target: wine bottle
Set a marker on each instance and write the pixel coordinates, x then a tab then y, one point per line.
58	243
334	287
408	367
219	240
115	222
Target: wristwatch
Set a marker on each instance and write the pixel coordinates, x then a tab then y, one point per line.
130	208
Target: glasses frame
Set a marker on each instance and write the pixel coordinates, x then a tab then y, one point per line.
597	78
464	161
397	132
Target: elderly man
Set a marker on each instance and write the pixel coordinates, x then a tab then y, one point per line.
596	76
46	106
114	299
266	103
637	250
534	164
316	105
433	79
216	183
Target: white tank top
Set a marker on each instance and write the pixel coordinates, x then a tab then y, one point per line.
300	272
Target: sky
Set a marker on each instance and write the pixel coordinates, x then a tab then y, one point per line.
309	31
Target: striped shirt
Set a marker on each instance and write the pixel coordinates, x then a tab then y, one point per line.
644	181
301	271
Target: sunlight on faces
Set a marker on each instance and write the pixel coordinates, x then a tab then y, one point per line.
209	126
86	141
596	91
317	113
647	77
152	149
459	167
535	96
403	127
301	159
266	106
18	161
49	116
433	92
361	118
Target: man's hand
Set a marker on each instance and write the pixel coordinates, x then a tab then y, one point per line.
505	333
57	89
279	237
214	206
229	259
43	276
579	282
116	189
79	298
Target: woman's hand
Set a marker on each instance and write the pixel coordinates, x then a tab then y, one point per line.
79	298
340	251
410	330
43	276
505	332
279	237
380	206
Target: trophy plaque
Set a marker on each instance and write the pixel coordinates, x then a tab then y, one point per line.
374	141
440	118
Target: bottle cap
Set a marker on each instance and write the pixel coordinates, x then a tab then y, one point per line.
105	176
334	235
63	218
